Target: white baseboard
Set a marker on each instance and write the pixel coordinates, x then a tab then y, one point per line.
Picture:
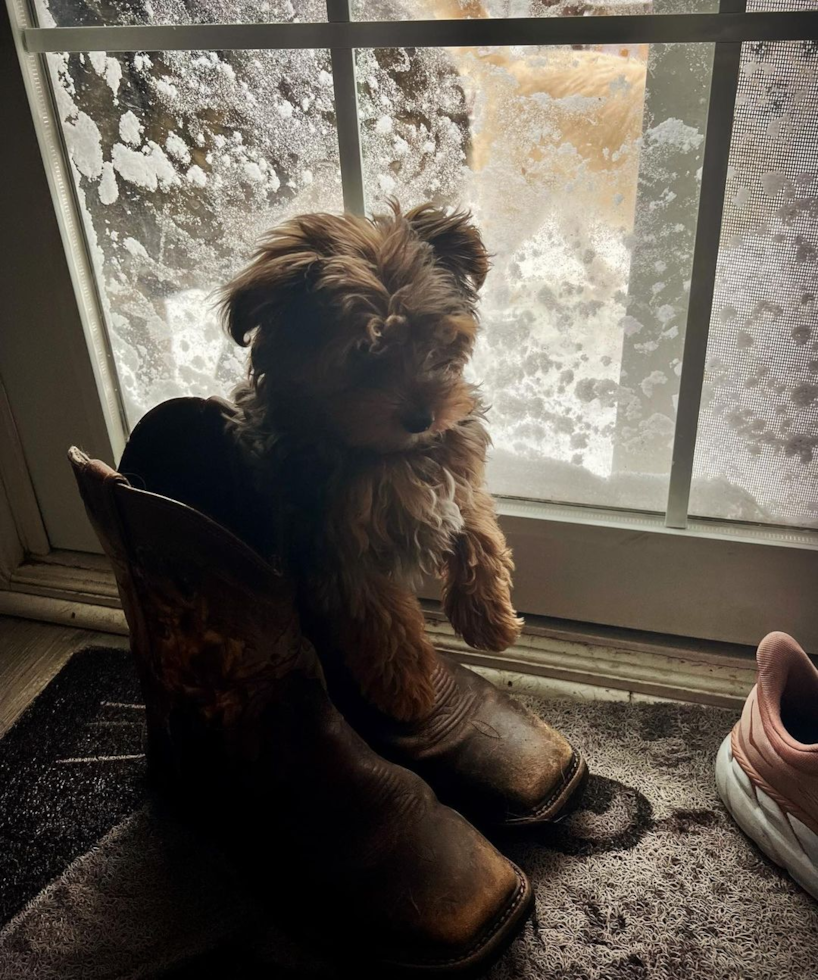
552	687
578	660
552	658
64	612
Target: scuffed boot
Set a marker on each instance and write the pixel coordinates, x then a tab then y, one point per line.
480	750
243	736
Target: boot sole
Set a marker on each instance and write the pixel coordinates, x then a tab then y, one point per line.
563	800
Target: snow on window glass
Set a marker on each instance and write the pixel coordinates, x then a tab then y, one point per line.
94	13
182	161
757	449
582	168
457	9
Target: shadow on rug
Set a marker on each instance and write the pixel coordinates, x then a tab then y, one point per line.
649	879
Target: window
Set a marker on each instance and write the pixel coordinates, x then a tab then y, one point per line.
757	446
182	160
651	366
582	166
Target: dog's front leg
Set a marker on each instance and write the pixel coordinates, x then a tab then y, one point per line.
384	641
477	579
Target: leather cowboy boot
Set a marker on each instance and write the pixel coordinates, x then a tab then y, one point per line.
242	734
480	750
483	752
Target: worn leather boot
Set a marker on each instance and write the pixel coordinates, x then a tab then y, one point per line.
242	735
483	752
480	750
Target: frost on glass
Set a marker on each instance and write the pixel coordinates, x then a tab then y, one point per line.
95	13
757	449
182	161
457	9
582	168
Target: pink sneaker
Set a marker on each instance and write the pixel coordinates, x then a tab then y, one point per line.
767	767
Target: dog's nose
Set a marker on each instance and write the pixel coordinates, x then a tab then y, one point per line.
418	421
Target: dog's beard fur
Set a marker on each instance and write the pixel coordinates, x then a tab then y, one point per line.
368	437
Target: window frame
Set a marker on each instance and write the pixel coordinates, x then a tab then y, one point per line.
572	560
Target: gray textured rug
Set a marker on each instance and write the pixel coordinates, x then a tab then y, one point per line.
650	879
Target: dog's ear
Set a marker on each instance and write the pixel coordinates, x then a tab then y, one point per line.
282	271
456	243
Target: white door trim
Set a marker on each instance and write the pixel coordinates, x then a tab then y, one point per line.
552	657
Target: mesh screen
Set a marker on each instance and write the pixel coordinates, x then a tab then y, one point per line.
757	451
779	6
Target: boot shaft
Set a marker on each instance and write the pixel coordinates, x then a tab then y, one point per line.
213	628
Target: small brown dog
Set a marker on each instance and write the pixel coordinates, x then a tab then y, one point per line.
369	438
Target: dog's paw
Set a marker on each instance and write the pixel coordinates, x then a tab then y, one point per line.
484	622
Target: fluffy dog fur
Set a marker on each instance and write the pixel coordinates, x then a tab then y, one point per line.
369	440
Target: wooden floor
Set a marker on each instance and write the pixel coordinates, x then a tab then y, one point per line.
31	653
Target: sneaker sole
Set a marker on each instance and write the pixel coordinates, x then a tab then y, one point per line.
782	837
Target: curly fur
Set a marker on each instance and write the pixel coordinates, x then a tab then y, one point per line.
368	439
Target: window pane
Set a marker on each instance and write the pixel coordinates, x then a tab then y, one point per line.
757	449
582	169
457	9
182	161
95	13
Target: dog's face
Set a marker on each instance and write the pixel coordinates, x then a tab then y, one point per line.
361	329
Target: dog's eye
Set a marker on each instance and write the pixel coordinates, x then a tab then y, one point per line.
365	352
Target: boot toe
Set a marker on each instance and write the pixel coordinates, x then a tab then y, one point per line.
451	906
553	798
486	754
460	946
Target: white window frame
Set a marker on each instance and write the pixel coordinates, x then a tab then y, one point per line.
666	574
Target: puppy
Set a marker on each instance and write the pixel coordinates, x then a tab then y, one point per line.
369	442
